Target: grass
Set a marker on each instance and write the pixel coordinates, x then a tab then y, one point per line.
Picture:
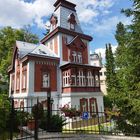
94	129
6	135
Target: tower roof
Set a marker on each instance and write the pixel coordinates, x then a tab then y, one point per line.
64	3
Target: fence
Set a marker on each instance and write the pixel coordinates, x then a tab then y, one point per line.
35	121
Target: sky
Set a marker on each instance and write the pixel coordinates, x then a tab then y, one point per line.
98	18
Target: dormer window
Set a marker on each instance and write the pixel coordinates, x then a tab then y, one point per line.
53	21
72	21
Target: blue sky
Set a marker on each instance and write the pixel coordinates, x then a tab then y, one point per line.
98	18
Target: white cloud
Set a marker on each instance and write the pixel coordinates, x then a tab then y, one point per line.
86	15
90	9
17	13
102	51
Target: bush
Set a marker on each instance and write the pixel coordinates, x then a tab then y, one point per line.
37	111
56	123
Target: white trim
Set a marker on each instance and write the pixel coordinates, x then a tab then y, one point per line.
83	94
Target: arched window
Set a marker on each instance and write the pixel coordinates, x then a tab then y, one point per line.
74	56
45	80
72	21
93	106
18	81
79	57
84	104
24	78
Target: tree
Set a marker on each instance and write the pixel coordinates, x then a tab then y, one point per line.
4	112
8	36
128	71
111	80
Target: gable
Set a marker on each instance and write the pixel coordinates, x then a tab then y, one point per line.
76	43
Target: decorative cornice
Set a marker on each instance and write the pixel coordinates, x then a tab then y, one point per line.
70	65
65	31
65	4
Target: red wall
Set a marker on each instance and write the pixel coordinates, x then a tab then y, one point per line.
38	77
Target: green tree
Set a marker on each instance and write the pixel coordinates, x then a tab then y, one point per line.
128	71
8	36
4	112
111	80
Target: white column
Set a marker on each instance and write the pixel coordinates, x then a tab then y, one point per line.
30	77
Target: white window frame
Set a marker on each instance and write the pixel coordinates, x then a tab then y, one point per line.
74	56
81	78
79	57
90	79
45	80
18	82
66	77
24	73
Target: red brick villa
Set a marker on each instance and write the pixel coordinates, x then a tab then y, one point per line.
59	64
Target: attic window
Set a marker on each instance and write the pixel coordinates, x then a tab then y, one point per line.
53	21
72	21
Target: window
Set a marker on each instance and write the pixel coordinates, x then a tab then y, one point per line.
73	78
12	82
66	77
45	80
93	106
74	57
18	81
81	79
24	76
72	21
90	79
79	57
84	105
72	26
97	80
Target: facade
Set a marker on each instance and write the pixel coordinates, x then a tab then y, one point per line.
96	60
59	65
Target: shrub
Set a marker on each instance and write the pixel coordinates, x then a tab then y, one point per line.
56	123
37	111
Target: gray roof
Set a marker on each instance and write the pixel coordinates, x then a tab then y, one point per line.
43	50
25	48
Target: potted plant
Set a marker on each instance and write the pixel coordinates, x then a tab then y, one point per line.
31	122
70	112
37	114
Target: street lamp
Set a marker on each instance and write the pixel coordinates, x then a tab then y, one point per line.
48	109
